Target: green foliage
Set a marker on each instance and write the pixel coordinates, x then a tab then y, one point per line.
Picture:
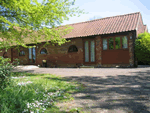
35	92
26	21
5	71
142	47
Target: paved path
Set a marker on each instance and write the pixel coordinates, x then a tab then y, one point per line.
107	90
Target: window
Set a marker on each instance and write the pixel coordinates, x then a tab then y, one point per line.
43	51
124	42
86	47
22	53
117	42
104	44
5	55
73	48
111	43
92	51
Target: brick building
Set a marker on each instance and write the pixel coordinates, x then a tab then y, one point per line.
105	42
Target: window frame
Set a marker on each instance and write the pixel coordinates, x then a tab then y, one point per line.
4	55
73	49
20	52
119	44
114	43
44	53
127	42
103	43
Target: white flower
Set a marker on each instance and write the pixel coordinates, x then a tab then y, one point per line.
25	110
24	83
27	105
14	77
44	109
65	97
37	110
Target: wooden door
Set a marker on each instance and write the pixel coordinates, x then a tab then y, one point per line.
111	54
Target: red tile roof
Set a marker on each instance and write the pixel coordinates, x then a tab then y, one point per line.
115	24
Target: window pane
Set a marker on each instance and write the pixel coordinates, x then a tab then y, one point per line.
111	43
22	53
34	54
43	51
73	48
5	55
124	42
117	42
86	51
104	44
92	51
30	55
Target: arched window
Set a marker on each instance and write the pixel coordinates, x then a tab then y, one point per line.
22	53
73	48
43	51
5	55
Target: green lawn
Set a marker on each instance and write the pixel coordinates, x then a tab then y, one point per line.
36	93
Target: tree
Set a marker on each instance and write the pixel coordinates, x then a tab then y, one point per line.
26	21
142	47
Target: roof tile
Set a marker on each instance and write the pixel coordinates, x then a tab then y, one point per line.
115	24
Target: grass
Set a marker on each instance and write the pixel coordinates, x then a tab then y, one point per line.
36	93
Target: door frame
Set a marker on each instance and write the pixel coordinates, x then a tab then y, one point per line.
32	55
89	45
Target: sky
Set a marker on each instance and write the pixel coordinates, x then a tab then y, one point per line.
106	8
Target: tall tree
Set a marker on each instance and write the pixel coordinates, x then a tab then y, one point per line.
26	21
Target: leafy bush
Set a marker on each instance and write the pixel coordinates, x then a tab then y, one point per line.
5	71
142	47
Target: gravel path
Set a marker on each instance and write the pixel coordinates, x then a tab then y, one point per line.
107	90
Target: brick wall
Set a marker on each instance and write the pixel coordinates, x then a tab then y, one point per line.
131	53
8	52
59	56
98	46
23	59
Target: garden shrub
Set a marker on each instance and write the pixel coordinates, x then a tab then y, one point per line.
142	47
5	71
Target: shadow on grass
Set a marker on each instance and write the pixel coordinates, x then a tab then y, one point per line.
128	92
